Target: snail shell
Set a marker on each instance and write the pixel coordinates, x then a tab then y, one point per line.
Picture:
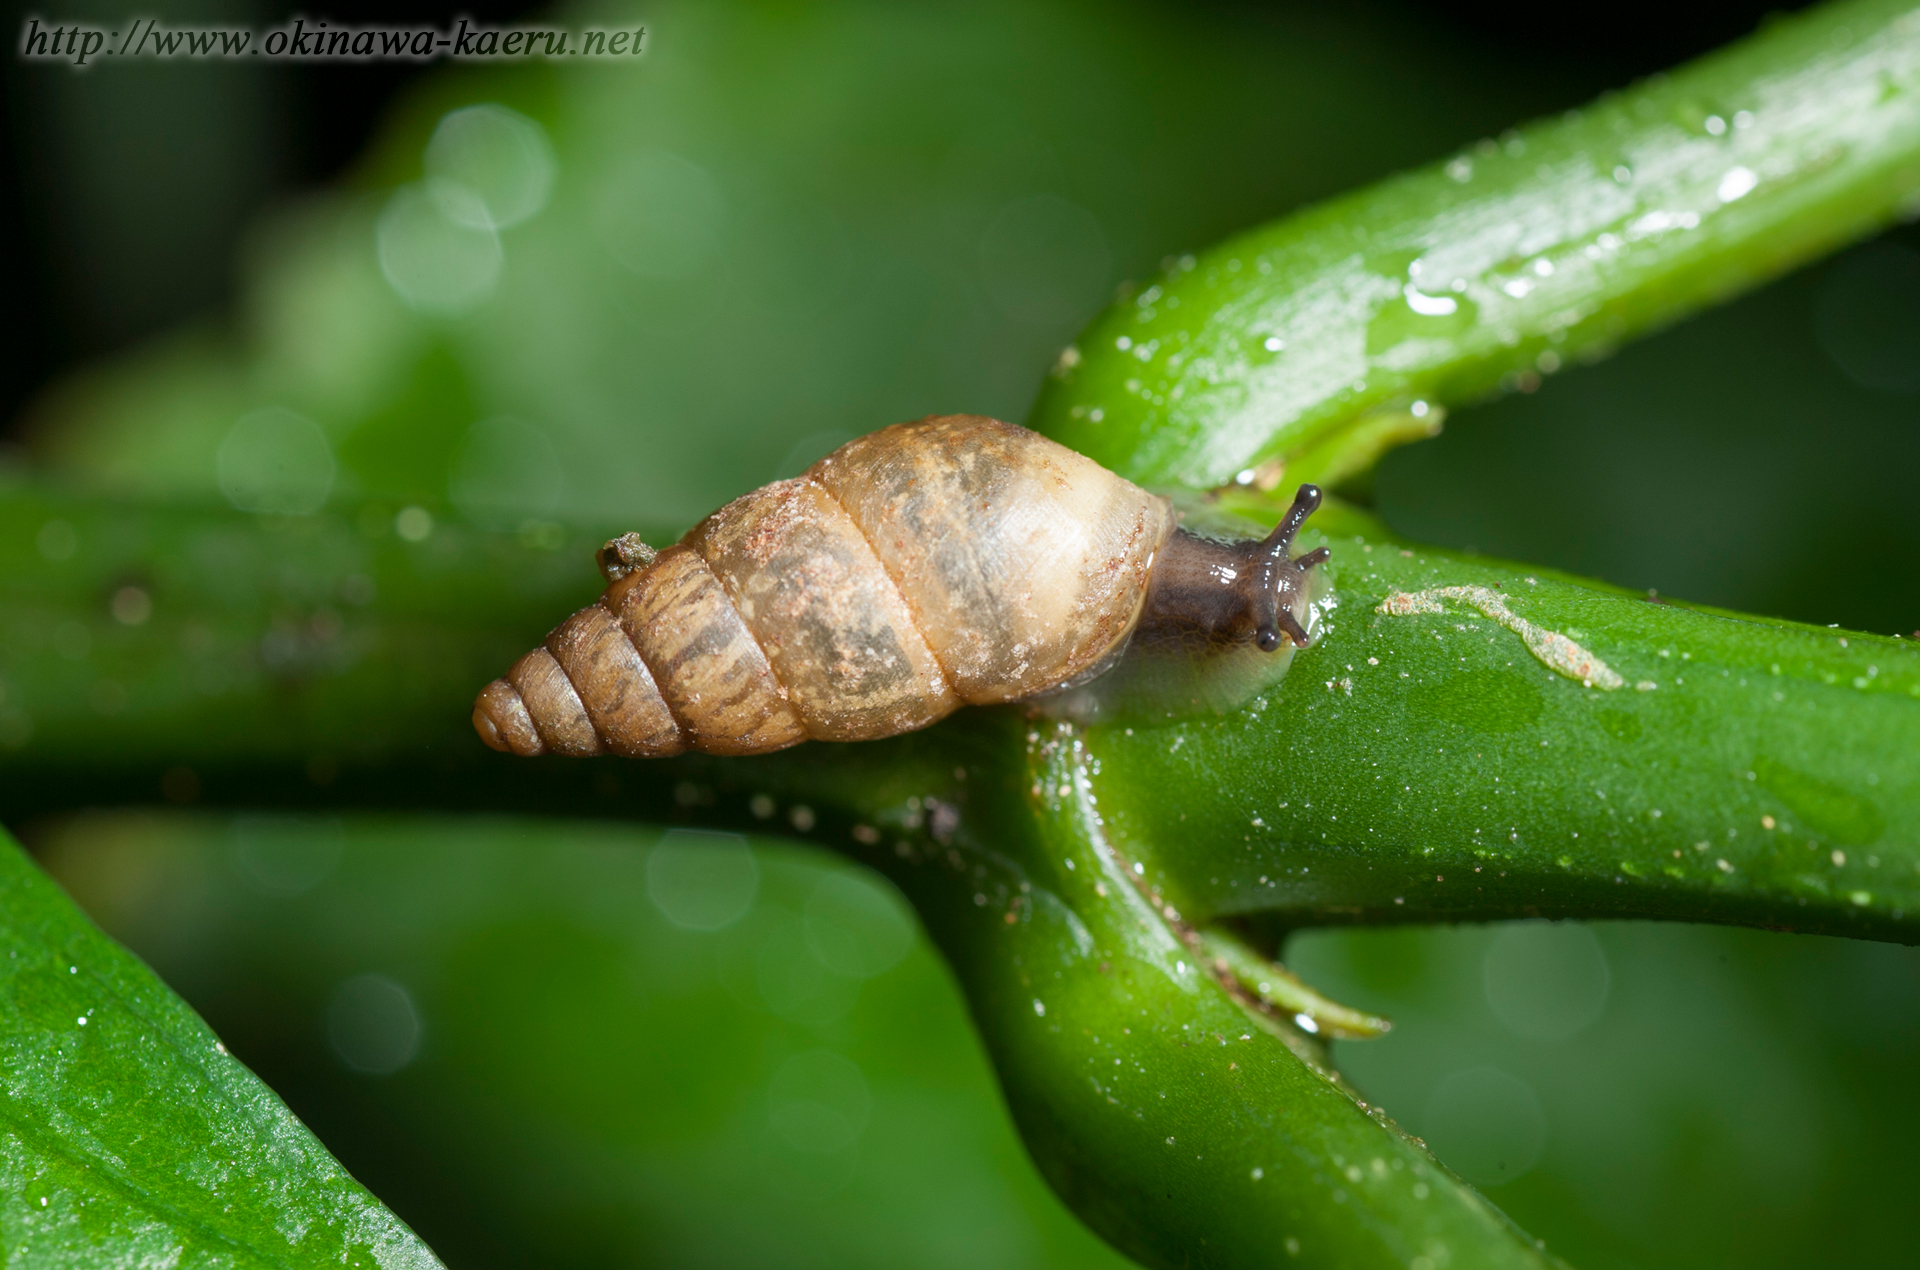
952	561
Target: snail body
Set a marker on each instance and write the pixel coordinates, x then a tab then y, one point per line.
952	561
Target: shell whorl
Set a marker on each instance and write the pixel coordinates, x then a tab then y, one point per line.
952	561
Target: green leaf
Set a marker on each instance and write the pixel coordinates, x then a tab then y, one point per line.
1510	259
131	1135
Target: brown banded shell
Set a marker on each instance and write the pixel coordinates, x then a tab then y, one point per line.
953	561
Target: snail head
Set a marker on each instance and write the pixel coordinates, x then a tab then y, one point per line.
1280	578
1207	593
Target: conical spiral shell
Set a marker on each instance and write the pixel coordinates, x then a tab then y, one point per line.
953	561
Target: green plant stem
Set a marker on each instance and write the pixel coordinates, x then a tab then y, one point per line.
1186	1127
1402	749
1514	257
1427	766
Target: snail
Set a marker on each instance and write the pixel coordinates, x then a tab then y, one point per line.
956	560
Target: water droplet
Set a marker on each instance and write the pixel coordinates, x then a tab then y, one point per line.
1736	184
1654	222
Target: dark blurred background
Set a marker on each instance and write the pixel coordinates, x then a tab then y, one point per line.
571	1045
126	194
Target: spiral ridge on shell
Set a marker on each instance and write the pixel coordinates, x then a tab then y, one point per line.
953	561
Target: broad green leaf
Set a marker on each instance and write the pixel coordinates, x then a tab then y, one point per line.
132	1137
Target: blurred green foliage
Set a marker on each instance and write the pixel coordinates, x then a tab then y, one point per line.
850	215
784	228
1650	1095
601	1054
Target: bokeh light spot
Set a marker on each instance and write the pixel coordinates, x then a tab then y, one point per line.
1546	982
659	215
818	1102
275	461
1486	1125
702	881
1867	317
373	1026
489	167
285	856
438	265
505	472
1044	261
856	928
